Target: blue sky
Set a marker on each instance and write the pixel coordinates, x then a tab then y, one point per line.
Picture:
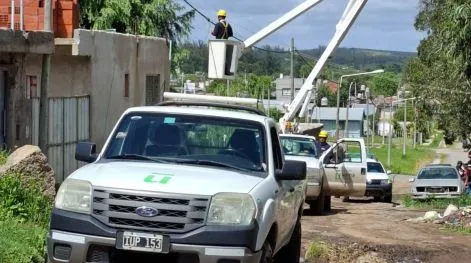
383	24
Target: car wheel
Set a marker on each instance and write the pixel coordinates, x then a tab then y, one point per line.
317	207
377	198
291	253
388	198
328	203
267	253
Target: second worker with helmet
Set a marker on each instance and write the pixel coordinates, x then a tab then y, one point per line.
322	141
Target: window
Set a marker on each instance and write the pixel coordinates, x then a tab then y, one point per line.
126	85
438	173
375	168
348	152
152	89
200	140
32	87
277	157
298	146
286	92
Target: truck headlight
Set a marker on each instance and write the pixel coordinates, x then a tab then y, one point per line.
385	181
231	209
75	196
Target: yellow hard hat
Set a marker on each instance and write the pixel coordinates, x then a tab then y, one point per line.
323	134
222	12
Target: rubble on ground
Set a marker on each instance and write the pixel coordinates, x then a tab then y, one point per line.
29	162
451	216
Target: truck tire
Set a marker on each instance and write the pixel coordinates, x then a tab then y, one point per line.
316	207
328	203
387	198
267	253
291	252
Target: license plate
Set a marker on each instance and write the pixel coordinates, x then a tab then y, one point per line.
141	242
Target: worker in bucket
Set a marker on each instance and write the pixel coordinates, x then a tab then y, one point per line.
322	141
223	30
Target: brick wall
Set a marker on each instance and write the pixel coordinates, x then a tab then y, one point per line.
65	16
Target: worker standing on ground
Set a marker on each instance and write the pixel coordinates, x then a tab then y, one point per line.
322	142
223	30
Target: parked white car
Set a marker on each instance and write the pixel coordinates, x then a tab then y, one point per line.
437	181
378	181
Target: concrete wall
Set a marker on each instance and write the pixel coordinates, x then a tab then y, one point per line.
112	56
93	63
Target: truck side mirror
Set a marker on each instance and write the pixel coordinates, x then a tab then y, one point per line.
86	152
388	172
411	180
292	171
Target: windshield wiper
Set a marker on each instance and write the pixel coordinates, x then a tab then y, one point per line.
136	157
211	163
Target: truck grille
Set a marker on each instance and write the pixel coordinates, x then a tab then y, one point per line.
437	189
176	214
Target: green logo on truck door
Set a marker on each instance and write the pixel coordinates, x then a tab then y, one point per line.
158	178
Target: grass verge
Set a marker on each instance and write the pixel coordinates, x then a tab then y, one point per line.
3	157
24	216
436	203
408	164
318	251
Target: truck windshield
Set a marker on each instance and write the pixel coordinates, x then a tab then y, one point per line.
375	167
298	146
199	140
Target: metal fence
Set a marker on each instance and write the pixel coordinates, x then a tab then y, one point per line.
69	120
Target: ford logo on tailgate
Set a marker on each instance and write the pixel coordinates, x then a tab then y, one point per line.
147	211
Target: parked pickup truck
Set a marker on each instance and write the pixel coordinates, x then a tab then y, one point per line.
178	183
304	148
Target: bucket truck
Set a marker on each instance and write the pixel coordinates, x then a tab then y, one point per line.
217	54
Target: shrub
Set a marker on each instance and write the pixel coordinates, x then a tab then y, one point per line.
23	200
21	242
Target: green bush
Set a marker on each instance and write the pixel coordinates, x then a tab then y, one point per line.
23	201
3	157
21	242
24	216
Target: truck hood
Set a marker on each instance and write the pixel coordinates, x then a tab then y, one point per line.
169	178
311	162
377	176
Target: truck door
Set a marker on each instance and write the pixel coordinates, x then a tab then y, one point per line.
345	167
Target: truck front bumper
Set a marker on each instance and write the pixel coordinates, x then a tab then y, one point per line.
378	190
76	238
425	195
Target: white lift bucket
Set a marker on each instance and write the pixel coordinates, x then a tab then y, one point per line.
223	58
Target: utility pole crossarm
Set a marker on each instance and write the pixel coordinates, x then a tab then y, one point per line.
277	24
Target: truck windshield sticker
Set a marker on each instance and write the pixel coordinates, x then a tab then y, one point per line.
169	120
158	178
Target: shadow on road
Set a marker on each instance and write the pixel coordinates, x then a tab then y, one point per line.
333	211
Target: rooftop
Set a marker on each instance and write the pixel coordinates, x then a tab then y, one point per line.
328	113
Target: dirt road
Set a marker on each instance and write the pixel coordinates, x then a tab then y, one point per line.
379	231
366	226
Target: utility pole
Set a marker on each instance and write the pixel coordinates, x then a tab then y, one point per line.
404	136
390	134
292	69
415	124
43	98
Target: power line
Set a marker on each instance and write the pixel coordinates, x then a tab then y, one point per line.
209	21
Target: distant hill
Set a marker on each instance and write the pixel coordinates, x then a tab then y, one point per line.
274	60
366	58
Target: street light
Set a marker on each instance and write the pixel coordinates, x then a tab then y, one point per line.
390	129
348	104
338	95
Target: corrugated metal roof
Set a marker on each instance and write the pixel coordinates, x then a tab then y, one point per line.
371	108
326	113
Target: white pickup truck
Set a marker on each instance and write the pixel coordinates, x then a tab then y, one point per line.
177	183
339	171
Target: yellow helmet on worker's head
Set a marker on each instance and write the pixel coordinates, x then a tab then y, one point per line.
222	12
323	134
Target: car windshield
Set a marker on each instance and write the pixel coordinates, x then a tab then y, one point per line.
438	173
200	140
375	167
298	146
